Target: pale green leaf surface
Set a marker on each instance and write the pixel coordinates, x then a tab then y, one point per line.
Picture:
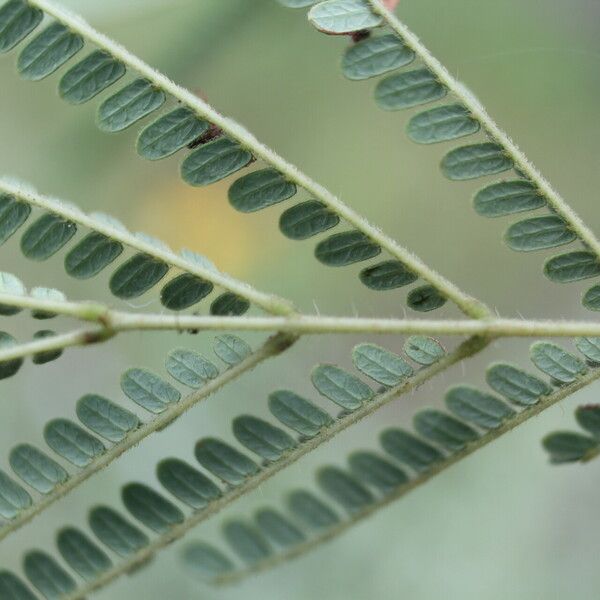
72	442
148	390
48	51
297	413
375	56
129	105
36	468
89	77
381	365
170	133
262	438
341	387
46	236
260	189
106	418
17	21
186	483
224	461
150	508
190	368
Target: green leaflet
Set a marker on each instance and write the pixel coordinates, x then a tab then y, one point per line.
36	468
184	291
539	233
409	449
115	532
375	56
572	266
225	462
9	284
405	90
343	16
423	350
425	299
443	429
214	161
260	189
373	470
590	348
553	360
206	560
170	133
48	51
262	438
229	305
72	442
89	77
591	299
13	213
105	418
190	368
341	387
231	349
17	21
311	511
91	255
148	390
346	248
81	554
46	237
8	368
441	124
136	276
567	446
13	498
516	385
150	508
476	160
387	275
588	418
129	105
307	219
47	575
297	413
484	410
344	489
380	364
278	529
46	294
186	483
507	198
246	542
12	588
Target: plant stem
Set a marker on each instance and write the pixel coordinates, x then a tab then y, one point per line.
521	162
414	483
470	306
113	322
272	347
466	349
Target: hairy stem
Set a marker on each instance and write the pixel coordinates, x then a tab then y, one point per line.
521	162
466	349
414	483
466	303
113	322
272	347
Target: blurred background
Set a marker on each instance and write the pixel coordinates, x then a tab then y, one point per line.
502	524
